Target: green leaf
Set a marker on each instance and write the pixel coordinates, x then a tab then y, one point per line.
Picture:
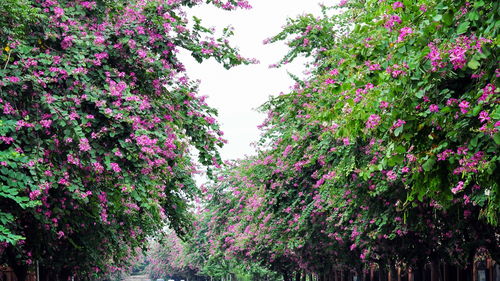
479	4
398	131
473	64
463	27
429	164
496	138
400	149
448	19
473	16
420	94
437	17
473	142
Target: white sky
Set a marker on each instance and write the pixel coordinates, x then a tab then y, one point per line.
237	92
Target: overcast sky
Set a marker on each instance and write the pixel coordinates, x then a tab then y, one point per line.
237	92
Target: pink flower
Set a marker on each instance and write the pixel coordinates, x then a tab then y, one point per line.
13	79
46	123
411	157
435	57
433	108
244	5
329	81
85	194
445	154
391	176
34	194
464	105
8	109
142	53
457	57
373	121
60	234
84	145
67	42
383	104
97	167
462	150
487	91
393	19
117	89
287	150
403	32
58	11
88	5
116	168
459	187
399	123
363	254
483	116
101	56
63	181
342	3
451	101
132	44
206	51
397	4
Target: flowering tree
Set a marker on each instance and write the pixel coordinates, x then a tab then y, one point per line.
167	258
98	120
198	257
387	153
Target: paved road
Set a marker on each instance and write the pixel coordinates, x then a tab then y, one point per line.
137	278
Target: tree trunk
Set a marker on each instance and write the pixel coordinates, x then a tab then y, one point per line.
418	273
297	275
382	274
435	271
286	276
392	273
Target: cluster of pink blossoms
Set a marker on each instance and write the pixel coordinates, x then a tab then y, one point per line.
373	121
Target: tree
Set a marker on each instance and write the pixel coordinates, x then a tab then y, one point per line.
386	153
99	122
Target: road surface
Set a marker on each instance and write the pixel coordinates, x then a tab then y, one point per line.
137	278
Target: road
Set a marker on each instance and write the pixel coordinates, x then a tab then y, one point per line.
137	278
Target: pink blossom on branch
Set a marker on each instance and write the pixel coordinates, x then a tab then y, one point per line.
373	121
